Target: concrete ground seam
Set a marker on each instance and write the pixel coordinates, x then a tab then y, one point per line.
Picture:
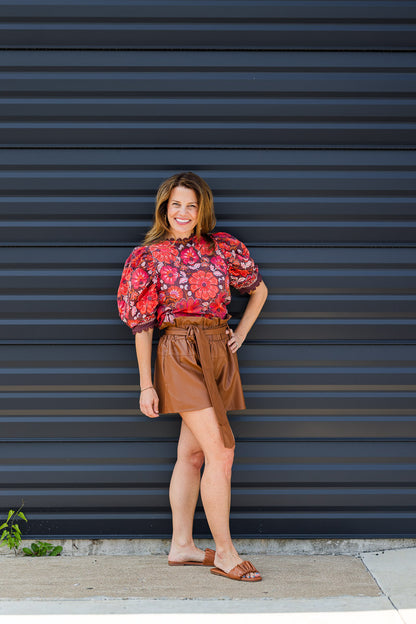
381	588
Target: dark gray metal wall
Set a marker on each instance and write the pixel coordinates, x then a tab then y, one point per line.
301	115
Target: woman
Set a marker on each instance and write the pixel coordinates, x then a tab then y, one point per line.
179	280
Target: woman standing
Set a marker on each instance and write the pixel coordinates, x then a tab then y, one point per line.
179	280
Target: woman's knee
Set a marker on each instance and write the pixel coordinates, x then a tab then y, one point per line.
222	458
195	459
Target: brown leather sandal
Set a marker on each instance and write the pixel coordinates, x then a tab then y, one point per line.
208	560
238	572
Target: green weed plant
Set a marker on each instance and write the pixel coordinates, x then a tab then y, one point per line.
42	549
11	535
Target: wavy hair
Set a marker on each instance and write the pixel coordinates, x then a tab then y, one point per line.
206	216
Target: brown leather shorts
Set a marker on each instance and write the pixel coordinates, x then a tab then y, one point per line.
195	369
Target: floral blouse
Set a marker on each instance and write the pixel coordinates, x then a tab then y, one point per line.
179	277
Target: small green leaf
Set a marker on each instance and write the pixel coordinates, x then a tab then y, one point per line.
11	512
56	551
22	515
28	552
3	525
35	548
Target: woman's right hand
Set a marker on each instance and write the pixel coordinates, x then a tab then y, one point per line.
149	402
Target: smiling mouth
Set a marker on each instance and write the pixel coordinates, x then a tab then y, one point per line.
182	221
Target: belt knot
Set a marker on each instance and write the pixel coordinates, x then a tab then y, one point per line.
191	333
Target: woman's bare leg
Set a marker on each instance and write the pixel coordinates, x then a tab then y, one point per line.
183	496
215	484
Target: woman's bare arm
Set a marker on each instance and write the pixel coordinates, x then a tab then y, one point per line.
149	401
253	309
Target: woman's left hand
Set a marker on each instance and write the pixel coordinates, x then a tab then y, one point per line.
235	341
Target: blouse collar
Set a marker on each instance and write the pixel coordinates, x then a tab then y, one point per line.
186	239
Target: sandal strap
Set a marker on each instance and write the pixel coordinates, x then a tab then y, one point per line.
243	568
209	557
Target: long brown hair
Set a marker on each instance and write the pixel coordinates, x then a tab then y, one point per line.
206	216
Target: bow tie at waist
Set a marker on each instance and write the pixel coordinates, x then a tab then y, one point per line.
197	334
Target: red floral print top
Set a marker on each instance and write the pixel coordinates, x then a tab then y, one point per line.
179	277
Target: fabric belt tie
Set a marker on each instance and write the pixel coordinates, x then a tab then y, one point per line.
198	336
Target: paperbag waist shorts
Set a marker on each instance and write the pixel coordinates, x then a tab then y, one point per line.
195	369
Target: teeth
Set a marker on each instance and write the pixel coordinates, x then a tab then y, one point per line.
183	220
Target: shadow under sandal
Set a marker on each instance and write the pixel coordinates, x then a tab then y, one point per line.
237	573
208	560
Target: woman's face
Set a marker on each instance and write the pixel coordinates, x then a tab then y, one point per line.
182	212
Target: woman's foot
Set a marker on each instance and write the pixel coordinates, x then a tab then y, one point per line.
228	561
186	553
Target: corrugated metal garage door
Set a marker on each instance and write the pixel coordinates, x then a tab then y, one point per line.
301	117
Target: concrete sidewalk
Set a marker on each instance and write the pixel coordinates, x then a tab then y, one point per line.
376	587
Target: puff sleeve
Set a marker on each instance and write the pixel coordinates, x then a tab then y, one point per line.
137	296
243	271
